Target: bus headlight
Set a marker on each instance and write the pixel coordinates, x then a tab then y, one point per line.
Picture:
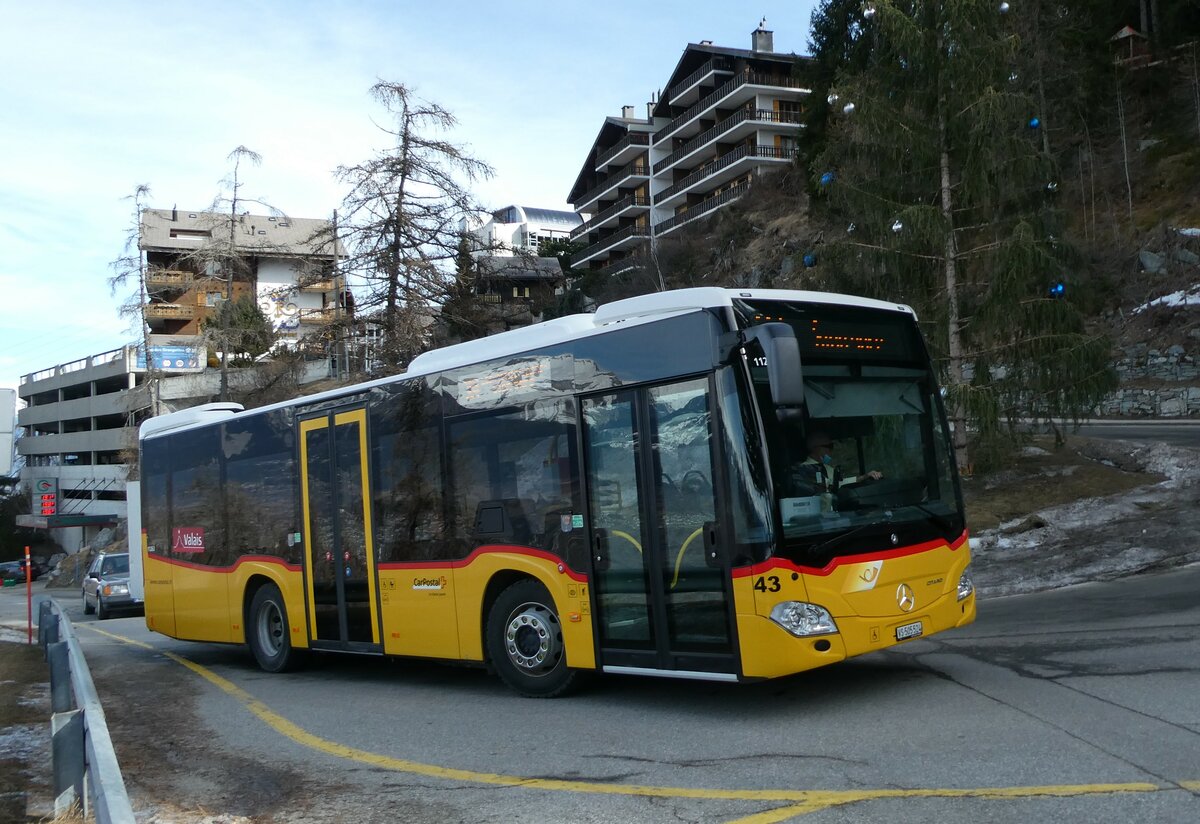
116	589
965	585
801	619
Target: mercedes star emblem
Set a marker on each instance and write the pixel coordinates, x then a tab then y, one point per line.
905	598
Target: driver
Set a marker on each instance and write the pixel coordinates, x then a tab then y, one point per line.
817	469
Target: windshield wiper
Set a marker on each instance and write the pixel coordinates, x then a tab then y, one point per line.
837	539
941	521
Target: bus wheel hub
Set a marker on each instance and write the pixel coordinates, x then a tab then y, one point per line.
532	640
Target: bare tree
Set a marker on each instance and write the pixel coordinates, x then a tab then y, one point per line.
224	256
403	212
131	265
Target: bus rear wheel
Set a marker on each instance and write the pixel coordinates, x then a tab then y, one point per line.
267	631
525	642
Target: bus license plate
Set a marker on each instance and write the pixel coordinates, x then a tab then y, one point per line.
913	630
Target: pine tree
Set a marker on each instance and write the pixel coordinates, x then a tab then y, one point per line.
937	169
836	44
404	209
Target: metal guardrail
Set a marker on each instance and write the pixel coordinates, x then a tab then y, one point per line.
84	762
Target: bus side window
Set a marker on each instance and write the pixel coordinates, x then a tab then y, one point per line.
408	482
523	463
155	475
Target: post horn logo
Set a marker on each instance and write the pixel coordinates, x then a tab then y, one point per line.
905	599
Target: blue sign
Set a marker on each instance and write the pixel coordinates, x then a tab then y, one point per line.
174	357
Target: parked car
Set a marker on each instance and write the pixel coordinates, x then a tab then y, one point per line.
12	571
40	567
106	587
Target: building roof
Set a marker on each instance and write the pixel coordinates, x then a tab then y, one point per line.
697	54
174	230
1127	32
541	217
519	267
611	130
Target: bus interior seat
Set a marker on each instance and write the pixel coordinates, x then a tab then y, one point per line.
502	520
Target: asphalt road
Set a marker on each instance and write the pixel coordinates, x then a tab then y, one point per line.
1181	432
1073	705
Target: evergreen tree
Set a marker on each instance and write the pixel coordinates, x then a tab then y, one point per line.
836	45
241	328
939	173
464	316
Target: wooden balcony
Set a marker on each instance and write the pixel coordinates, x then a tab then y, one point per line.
169	277
170	311
321	316
318	286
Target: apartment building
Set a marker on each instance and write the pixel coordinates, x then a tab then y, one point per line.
287	264
726	115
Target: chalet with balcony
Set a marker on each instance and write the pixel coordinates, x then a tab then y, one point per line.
727	115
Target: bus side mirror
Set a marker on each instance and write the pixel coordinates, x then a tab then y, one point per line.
782	351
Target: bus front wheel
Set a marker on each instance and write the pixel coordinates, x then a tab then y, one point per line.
525	642
267	631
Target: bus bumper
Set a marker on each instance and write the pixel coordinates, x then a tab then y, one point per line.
770	651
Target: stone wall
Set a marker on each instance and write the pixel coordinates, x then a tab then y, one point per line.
1154	384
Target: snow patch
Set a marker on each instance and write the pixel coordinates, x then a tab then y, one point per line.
1097	538
1181	298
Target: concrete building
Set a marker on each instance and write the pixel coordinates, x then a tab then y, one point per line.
286	263
80	419
80	429
727	115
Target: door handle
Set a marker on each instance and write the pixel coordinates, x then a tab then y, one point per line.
600	557
713	555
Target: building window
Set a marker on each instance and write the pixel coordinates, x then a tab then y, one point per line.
789	107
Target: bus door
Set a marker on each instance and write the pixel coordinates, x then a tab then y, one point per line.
662	598
339	561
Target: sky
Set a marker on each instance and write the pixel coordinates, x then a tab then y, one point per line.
99	98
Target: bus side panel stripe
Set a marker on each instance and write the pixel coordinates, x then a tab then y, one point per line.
225	570
488	550
828	569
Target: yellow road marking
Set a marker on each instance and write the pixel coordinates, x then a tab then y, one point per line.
799	802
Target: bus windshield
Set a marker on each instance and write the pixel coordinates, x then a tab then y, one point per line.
868	460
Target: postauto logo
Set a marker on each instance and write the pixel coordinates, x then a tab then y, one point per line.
429	583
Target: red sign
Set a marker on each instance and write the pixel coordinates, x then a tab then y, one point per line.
187	539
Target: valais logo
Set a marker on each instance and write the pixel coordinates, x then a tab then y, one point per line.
187	539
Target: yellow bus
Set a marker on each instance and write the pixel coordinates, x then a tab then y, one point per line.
630	491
